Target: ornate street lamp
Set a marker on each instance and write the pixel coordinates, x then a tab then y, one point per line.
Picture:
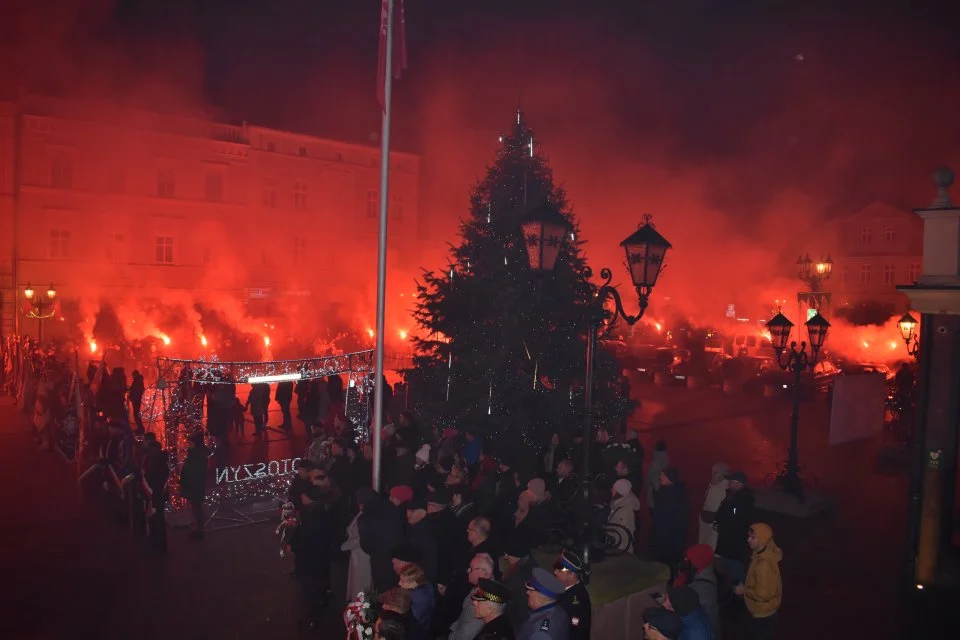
545	231
814	273
795	359
645	250
39	308
908	330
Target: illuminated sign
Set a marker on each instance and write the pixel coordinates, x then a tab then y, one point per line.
257	470
811	313
280	377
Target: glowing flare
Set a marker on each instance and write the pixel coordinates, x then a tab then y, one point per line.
370	332
203	340
866	345
403	334
93	346
893	345
658	326
165	338
266	341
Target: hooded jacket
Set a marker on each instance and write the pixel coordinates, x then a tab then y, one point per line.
763	590
622	511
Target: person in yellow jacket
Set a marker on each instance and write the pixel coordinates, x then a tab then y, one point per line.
763	590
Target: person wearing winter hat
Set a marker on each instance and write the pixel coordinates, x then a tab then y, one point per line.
763	589
697	573
694	622
623	507
671	516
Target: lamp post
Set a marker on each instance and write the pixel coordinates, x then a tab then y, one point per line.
645	250
908	330
796	361
40	308
813	274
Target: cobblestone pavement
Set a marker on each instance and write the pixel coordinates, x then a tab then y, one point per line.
73	571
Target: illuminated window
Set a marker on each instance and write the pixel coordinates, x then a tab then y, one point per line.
890	235
866	235
214	186
61	172
164	250
913	272
269	194
299	251
302	151
166	184
373	204
889	274
113	248
300	195
59	243
865	272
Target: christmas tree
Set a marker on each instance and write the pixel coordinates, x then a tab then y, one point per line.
502	348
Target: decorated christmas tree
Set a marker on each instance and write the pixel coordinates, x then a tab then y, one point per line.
503	348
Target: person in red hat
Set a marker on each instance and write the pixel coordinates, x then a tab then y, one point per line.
697	572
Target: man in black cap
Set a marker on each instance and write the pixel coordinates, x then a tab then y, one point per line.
568	569
489	604
516	574
543	593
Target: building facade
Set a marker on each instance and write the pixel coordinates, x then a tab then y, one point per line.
878	249
105	201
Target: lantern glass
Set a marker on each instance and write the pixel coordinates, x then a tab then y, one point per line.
645	251
51	292
544	232
817	328
803	266
28	292
908	325
779	327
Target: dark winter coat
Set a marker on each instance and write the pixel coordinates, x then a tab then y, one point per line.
193	474
421	537
451	539
284	393
398	471
734	517
669	525
381	530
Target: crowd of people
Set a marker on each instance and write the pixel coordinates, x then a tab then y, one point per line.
451	544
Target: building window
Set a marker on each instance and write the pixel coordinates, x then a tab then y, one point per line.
865	271
889	274
302	151
271	146
214	187
59	243
166	184
164	250
866	235
269	194
300	195
890	235
116	180
373	204
113	248
398	208
913	273
61	172
299	251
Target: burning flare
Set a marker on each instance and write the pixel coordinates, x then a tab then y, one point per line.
266	341
203	340
403	334
165	338
93	346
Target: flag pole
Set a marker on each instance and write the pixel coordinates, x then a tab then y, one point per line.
377	441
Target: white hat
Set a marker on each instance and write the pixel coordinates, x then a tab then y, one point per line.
623	487
423	454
